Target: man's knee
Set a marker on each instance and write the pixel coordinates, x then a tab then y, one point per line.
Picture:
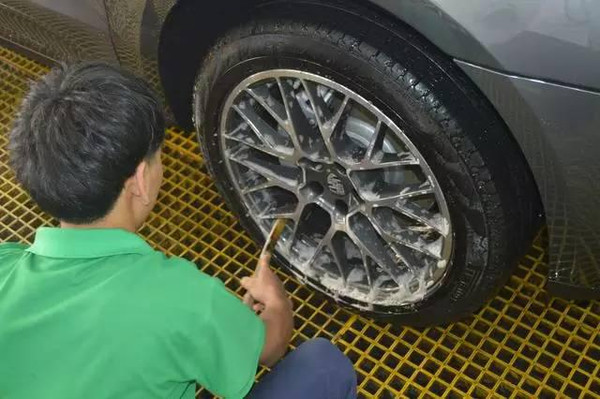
325	356
322	348
316	369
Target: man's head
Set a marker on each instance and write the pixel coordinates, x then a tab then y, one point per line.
86	143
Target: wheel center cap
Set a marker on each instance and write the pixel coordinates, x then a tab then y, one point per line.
335	184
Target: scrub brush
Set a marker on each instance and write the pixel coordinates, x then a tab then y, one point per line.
268	249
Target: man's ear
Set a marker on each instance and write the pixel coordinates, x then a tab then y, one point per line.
140	184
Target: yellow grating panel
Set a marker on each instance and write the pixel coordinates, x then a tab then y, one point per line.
522	344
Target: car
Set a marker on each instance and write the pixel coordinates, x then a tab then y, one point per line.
415	148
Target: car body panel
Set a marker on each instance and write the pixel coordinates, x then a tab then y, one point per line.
74	31
557	128
90	12
553	40
533	59
135	27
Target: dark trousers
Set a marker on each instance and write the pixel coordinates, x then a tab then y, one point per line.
315	370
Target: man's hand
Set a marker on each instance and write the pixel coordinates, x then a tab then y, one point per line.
264	289
267	296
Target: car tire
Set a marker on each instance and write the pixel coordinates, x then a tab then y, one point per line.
485	182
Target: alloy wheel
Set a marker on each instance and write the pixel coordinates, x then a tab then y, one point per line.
367	221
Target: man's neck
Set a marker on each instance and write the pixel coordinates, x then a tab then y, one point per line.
121	216
108	222
66	225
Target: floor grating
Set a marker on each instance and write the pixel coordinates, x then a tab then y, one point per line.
523	344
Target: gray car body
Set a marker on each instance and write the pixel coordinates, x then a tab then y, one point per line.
536	61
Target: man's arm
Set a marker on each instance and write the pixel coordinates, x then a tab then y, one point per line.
279	326
275	309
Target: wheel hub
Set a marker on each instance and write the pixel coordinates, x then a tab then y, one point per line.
337	183
367	221
331	184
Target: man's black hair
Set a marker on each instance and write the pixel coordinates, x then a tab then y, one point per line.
80	134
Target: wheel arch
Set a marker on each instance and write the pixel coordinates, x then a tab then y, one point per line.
198	25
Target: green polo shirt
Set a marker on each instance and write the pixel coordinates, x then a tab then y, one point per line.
97	313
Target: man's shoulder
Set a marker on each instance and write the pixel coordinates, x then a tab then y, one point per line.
10	253
11	249
176	267
178	276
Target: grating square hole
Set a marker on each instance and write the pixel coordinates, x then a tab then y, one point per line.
447	376
464	350
555	382
367	365
411	391
513	378
481	359
471	372
391	360
416	358
456	363
422	379
362	344
371	387
437	388
521	364
407	370
572	391
381	374
587	364
454	395
462	384
396	383
488	380
595	386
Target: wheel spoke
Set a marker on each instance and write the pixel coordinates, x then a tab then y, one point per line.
267	134
285	177
296	221
366	238
317	103
273	107
407	238
406	256
416	190
278	152
323	116
330	125
254	122
322	244
376	142
285	211
309	138
388	199
289	126
258	187
433	220
340	259
406	160
365	263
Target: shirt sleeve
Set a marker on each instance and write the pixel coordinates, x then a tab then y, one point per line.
236	337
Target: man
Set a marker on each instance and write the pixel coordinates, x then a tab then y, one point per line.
90	310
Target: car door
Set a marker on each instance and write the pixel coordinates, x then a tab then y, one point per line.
57	30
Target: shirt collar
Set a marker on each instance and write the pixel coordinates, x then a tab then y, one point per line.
57	242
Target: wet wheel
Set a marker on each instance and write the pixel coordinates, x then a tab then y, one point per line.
382	159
